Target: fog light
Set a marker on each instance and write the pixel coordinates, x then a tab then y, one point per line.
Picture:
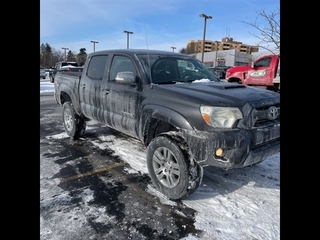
219	152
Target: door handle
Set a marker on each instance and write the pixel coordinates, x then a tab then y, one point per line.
106	91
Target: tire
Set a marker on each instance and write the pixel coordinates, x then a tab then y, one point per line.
74	125
277	87
170	169
51	79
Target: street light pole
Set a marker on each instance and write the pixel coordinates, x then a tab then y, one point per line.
94	45
204	31
173	48
127	32
216	63
65	55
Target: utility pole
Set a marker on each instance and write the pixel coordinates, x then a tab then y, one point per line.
65	54
127	32
173	48
204	31
94	45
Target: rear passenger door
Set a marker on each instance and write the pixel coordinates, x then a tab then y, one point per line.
90	87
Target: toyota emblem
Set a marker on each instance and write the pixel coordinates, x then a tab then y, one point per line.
273	113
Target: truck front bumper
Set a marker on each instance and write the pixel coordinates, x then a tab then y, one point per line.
233	149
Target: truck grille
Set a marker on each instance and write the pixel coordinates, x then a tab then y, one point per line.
265	116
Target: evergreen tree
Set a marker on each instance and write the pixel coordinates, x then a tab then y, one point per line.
82	56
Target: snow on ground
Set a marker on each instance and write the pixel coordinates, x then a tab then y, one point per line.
245	204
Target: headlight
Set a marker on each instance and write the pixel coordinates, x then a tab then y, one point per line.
220	117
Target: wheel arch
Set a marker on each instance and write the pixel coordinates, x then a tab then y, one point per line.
234	80
65	97
158	120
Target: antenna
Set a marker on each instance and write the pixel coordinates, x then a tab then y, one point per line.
145	30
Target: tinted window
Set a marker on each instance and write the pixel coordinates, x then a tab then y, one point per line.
97	67
69	63
265	62
121	64
175	68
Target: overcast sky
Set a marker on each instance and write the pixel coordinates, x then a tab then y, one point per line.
159	25
238	204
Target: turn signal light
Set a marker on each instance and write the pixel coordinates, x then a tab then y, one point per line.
219	152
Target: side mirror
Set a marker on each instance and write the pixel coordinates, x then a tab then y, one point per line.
126	78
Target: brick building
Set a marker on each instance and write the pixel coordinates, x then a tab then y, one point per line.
196	46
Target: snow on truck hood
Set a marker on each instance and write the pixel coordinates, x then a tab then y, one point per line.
223	93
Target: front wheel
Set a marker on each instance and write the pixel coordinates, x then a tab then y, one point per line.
74	125
171	170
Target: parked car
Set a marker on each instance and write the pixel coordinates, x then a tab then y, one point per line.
220	71
42	73
64	67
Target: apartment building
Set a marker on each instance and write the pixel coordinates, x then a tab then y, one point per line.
196	46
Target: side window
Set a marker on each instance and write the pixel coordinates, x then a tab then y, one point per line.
265	62
121	64
97	67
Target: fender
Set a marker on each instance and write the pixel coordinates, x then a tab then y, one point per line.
166	114
236	77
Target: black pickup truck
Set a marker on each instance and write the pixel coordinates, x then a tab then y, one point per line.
185	116
64	67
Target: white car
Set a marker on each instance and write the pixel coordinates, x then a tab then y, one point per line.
42	73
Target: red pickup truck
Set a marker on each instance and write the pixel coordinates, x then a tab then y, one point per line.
263	72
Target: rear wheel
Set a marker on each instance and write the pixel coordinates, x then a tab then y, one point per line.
171	170
74	125
51	79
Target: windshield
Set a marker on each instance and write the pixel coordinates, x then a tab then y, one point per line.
175	69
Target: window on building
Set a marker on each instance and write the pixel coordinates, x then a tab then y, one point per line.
221	62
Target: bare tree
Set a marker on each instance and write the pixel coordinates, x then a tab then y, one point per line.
269	34
220	57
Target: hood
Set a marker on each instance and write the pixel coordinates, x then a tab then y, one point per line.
238	69
215	94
